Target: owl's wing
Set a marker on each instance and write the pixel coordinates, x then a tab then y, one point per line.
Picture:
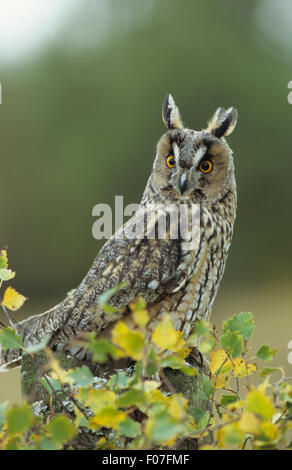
138	266
151	267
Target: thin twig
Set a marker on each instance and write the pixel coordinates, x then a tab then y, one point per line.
213	393
84	412
11	322
245	442
56	396
227	409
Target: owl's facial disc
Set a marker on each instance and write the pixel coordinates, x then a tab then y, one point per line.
192	165
191	160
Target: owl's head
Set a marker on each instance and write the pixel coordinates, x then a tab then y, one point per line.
195	165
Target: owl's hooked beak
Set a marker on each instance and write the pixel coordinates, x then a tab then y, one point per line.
183	182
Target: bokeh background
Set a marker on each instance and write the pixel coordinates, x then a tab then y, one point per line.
82	86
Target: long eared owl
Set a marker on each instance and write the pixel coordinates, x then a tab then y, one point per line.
191	168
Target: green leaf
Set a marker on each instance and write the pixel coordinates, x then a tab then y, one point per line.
138	372
60	429
201	328
177	361
131	398
9	339
265	353
130	428
206	389
54	383
232	342
13	443
200	416
267	370
233	435
188	370
3	259
173	360
227	399
6	274
19	419
81	376
109	309
3	407
242	323
162	427
49	444
119	381
152	365
101	349
208	344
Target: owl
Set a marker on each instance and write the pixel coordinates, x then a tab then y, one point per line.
191	169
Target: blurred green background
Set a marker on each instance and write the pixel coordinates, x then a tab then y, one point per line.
81	115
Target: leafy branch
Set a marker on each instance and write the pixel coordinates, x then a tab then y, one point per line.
140	406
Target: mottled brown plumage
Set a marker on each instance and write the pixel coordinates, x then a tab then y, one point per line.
170	277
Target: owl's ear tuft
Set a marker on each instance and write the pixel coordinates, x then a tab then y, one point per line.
170	113
223	122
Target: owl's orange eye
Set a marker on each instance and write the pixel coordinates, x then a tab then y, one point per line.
206	166
170	161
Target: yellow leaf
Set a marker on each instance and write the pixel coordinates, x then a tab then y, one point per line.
56	370
220	380
230	434
259	404
220	362
108	417
99	399
220	366
268	432
177	407
103	404
240	368
220	439
59	373
156	396
166	337
264	385
139	304
236	405
12	299
141	317
208	447
139	312
148	386
104	444
169	443
249	423
131	341
3	259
